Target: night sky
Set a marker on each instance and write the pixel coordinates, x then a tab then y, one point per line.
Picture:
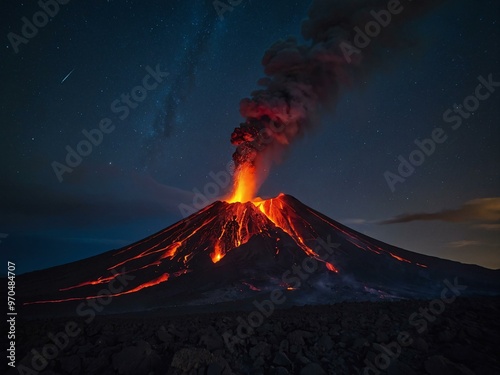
65	79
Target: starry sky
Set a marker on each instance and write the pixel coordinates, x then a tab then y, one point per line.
65	79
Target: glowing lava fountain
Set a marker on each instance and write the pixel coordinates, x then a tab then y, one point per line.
245	184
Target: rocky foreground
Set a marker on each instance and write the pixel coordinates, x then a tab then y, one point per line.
407	337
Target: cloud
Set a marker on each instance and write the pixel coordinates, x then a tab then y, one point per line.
477	210
97	195
355	221
492	227
99	241
463	243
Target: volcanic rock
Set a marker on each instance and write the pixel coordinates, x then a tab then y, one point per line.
439	365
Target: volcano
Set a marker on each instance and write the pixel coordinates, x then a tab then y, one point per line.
229	254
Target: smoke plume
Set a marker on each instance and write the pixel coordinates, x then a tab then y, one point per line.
302	80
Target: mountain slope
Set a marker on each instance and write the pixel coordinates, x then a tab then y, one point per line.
233	253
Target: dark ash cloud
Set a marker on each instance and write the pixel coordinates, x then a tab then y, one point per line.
302	80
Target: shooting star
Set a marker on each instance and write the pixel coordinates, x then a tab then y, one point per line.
65	78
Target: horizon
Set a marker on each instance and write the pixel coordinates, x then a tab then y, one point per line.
222	200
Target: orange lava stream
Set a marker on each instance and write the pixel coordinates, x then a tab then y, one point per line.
102	280
171	250
252	287
276	215
360	243
331	267
399	258
153	282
